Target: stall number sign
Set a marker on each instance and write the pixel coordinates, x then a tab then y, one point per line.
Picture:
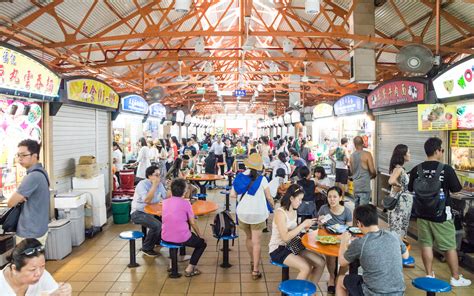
462	139
456	81
240	93
22	73
157	110
92	92
396	93
135	104
349	104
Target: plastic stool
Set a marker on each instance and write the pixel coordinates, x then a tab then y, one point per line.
285	272
227	198
174	258
297	288
225	251
409	262
431	285
132	236
201	196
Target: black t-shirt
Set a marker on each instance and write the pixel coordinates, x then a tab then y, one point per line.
192	148
308	187
449	181
228	151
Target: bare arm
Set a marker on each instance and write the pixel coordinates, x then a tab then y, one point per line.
15	199
195	227
280	221
371	166
393	180
345	237
269	197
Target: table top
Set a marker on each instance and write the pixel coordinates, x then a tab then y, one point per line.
200	208
309	241
205	177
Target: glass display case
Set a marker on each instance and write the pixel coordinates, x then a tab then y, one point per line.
461	158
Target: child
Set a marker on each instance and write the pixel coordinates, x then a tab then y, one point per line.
342	215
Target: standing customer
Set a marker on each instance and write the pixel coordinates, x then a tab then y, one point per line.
399	218
25	273
143	159
252	208
33	193
149	191
117	157
284	228
175	146
363	170
178	217
229	158
434	217
218	149
341	157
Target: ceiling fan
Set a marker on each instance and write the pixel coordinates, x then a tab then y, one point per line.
305	77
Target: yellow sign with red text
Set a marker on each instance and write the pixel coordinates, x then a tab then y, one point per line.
92	92
436	117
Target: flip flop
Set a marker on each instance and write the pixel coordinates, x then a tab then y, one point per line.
192	273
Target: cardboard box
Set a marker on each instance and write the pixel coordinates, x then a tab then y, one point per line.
86	171
87	159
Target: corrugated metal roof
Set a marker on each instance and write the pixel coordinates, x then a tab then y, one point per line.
462	10
18	10
73	11
48	27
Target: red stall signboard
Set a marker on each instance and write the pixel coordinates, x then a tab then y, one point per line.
396	93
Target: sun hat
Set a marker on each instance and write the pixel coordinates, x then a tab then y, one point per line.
254	161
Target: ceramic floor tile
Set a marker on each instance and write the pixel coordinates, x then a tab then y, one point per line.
98	287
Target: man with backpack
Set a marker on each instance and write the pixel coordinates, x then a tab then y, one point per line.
432	181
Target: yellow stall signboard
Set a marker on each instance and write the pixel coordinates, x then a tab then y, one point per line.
436	117
22	73
92	92
463	139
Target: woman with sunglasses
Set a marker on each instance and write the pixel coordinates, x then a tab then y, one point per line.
26	274
310	265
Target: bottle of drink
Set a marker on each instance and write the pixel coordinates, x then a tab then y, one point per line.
441	195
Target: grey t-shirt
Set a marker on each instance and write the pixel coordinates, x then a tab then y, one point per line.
380	256
34	217
342	219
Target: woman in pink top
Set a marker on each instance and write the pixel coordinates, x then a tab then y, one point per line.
177	216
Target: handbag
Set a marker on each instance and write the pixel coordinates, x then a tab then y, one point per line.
295	245
311	156
9	220
390	202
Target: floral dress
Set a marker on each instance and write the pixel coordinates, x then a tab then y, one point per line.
399	218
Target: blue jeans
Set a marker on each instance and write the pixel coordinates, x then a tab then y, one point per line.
153	235
361	198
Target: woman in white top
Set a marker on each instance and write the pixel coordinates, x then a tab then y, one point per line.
282	147
152	151
281	163
26	274
117	156
143	160
264	150
284	229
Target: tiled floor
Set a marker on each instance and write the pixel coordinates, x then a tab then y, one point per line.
99	267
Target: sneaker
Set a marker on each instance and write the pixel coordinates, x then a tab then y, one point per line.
182	258
150	253
431	276
461	282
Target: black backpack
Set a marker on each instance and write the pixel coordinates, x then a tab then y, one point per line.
223	225
426	202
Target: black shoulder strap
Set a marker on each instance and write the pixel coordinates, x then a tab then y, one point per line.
419	171
43	173
438	170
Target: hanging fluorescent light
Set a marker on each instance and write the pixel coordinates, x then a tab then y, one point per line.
182	5
200	46
260	87
249	43
288	46
312	6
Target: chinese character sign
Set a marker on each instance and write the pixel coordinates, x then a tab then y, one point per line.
349	104
92	92
396	93
21	73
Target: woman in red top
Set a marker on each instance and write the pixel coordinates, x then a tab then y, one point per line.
175	146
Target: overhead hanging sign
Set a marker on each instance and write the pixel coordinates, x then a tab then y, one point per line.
25	75
456	81
295	116
240	93
287	118
157	110
396	93
281	122
436	117
465	115
179	116
322	110
135	104
90	91
349	104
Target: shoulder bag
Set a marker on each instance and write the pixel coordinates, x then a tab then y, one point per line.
295	245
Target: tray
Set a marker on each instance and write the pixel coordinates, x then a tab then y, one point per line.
322	239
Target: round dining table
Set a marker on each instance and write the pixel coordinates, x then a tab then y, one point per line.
197	179
200	208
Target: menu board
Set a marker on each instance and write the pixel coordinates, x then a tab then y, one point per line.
436	117
19	120
462	157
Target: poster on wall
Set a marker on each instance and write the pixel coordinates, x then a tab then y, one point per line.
396	93
456	81
436	117
465	114
92	92
19	120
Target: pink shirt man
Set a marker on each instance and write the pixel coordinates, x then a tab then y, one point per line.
176	213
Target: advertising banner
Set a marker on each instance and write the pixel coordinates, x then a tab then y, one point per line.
135	104
157	110
456	81
349	104
92	92
465	115
396	93
436	117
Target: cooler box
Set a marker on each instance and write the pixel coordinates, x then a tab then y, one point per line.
59	241
95	187
70	206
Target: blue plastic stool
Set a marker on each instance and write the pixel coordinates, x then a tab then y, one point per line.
225	250
174	258
132	236
431	285
285	271
227	198
297	288
409	262
201	196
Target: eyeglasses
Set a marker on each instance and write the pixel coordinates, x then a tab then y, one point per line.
31	251
23	155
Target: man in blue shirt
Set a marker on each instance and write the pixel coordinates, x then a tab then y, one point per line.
298	162
147	192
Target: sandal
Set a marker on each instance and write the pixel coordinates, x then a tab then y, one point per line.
192	273
256	275
251	266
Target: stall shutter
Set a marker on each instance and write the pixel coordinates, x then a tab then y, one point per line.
78	131
400	128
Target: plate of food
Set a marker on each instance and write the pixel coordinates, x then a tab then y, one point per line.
354	230
337	228
327	240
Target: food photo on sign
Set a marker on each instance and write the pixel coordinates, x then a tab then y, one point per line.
465	114
433	117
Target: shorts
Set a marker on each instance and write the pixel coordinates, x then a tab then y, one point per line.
342	175
41	239
362	198
442	234
353	284
251	227
279	255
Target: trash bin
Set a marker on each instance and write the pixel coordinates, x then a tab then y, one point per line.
121	212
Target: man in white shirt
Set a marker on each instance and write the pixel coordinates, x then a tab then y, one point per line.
218	149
